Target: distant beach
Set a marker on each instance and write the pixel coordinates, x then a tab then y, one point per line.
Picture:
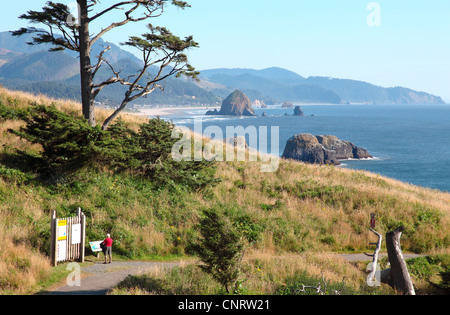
171	111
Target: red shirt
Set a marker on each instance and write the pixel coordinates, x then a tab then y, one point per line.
108	242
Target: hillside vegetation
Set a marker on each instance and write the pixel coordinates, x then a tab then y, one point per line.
299	209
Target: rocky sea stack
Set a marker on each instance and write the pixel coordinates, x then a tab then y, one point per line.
322	149
298	111
236	104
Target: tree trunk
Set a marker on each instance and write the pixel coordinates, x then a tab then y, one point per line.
114	115
399	277
87	99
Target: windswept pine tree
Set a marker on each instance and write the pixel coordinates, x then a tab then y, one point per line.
162	52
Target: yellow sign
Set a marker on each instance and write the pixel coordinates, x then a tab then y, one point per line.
62	230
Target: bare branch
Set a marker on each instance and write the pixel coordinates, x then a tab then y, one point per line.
128	15
100	60
115	6
321	288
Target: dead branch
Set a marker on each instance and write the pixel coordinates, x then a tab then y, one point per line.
321	288
371	278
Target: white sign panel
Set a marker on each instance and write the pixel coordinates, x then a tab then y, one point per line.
61	251
95	246
76	234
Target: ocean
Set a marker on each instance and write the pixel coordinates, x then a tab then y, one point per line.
410	143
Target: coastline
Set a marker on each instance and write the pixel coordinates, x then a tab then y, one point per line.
185	110
171	111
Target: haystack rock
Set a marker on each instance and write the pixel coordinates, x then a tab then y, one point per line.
236	104
322	149
298	111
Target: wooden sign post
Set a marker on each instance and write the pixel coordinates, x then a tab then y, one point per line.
372	221
68	237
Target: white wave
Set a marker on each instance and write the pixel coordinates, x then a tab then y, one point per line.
375	158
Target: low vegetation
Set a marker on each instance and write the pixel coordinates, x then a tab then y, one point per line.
287	219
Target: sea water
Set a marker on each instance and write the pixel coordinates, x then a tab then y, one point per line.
410	143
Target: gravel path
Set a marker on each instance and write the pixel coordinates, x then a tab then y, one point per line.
362	257
101	277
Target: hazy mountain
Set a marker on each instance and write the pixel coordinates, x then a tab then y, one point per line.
7	55
56	74
362	92
274	74
41	66
19	45
284	85
272	85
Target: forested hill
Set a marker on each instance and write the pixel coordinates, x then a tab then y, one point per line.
56	74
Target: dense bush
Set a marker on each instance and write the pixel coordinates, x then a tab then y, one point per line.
70	144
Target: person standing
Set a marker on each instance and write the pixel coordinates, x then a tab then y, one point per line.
108	248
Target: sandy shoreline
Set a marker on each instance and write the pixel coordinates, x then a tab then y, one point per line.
171	111
181	111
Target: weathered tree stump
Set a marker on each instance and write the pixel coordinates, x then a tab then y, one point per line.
397	276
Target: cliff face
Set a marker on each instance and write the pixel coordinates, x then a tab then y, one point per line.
322	149
237	104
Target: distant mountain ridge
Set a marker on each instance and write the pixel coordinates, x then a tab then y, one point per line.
283	85
56	74
32	68
41	66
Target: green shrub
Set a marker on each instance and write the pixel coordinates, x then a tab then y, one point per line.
220	248
67	142
249	228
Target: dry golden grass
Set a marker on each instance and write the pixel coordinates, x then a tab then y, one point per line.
20	267
269	272
21	99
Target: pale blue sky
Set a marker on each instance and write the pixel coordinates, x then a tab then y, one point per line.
410	48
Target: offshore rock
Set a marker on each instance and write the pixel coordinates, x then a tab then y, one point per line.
298	111
322	149
236	104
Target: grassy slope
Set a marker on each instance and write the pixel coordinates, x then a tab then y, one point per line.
299	208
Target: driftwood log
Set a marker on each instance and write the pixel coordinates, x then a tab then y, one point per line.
397	276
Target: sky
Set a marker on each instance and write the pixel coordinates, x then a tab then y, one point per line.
384	42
